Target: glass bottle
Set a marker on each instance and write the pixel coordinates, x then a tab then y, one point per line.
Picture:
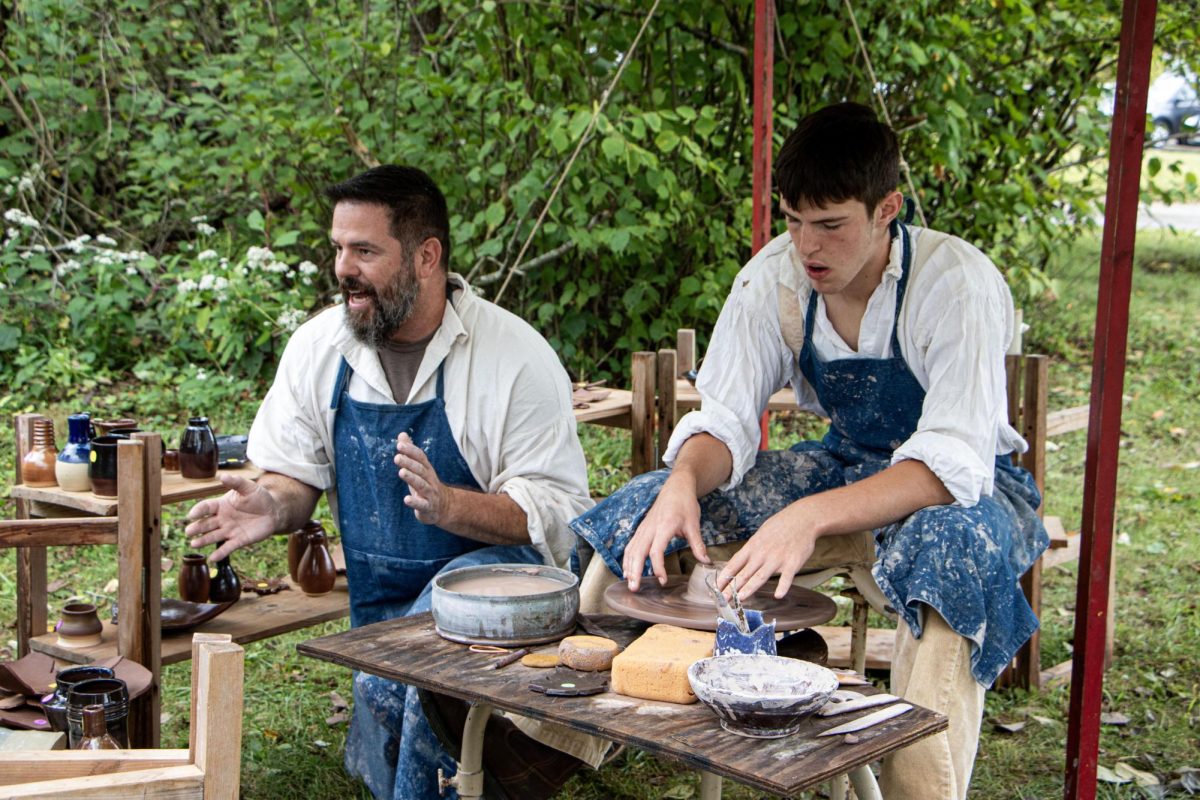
225	586
95	731
198	450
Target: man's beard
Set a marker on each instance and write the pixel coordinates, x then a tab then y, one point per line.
390	306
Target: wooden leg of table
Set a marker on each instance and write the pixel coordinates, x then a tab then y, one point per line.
643	412
468	781
710	786
31	561
865	785
667	409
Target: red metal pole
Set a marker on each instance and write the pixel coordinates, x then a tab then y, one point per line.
764	79
1108	380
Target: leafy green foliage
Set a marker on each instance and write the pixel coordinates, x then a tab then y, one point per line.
137	118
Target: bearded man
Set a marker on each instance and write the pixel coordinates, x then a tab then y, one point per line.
441	430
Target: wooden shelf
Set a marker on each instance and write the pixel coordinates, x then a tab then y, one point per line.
175	489
250	619
613	410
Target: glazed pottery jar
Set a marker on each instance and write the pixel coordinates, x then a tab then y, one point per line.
198	450
194	579
71	468
102	464
55	703
316	573
225	586
95	731
37	467
106	426
170	461
297	544
112	695
79	626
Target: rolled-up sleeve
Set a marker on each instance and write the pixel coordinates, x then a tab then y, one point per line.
288	435
963	345
746	361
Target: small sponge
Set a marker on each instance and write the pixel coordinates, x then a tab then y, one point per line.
587	653
655	666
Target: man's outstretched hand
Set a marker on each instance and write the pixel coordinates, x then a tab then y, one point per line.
245	514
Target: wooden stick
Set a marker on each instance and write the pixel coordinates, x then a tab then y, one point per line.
515	655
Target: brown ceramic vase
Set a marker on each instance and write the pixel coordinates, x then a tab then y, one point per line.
37	467
297	544
316	573
80	626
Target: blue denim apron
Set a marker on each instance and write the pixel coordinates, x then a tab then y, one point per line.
391	558
964	562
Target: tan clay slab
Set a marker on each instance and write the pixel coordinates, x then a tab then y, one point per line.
800	608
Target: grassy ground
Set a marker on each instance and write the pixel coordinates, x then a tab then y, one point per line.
289	745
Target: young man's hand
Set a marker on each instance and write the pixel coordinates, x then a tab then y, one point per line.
781	546
675	514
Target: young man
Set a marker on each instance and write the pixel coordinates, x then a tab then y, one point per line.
898	335
440	427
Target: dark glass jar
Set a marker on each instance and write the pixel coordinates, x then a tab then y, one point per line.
113	695
55	703
194	579
225	586
198	450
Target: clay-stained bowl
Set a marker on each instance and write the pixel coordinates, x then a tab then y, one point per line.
494	604
761	696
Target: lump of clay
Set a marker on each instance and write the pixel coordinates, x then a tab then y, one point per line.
587	653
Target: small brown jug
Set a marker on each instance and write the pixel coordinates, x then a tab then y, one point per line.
37	467
194	579
297	544
316	573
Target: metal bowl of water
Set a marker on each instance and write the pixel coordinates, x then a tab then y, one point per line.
509	605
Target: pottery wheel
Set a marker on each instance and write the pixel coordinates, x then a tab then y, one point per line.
800	608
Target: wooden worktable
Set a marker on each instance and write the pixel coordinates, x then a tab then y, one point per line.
409	650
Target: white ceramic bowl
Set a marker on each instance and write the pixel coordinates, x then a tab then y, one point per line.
759	695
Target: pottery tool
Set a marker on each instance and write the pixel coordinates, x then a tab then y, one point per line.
723	609
564	682
847	677
868	721
515	655
736	603
835	706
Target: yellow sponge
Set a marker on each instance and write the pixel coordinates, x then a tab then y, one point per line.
655	666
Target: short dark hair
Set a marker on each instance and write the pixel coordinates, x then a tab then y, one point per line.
842	152
416	204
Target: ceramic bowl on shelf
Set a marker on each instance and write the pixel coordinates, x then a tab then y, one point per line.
761	696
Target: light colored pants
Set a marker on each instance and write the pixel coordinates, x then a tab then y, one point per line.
933	672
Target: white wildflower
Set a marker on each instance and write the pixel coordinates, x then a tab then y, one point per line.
76	244
27	254
19	217
196	220
206	282
13	233
204	229
38	248
308	268
107	241
104	260
131	270
290	319
187	285
201	375
207	255
277	266
25	185
258	257
67	267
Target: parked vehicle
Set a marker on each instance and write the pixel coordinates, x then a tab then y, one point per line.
1174	109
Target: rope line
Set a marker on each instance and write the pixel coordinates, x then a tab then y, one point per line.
862	46
599	107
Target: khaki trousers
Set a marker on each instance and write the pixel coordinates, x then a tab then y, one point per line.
933	671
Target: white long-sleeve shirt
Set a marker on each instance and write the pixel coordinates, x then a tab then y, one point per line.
508	401
955	325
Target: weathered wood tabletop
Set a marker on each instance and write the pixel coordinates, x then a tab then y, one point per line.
409	650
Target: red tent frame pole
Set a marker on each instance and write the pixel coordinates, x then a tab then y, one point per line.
764	79
1108	382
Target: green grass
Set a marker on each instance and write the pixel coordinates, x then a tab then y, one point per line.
290	750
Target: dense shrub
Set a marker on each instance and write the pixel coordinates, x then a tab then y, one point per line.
183	131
